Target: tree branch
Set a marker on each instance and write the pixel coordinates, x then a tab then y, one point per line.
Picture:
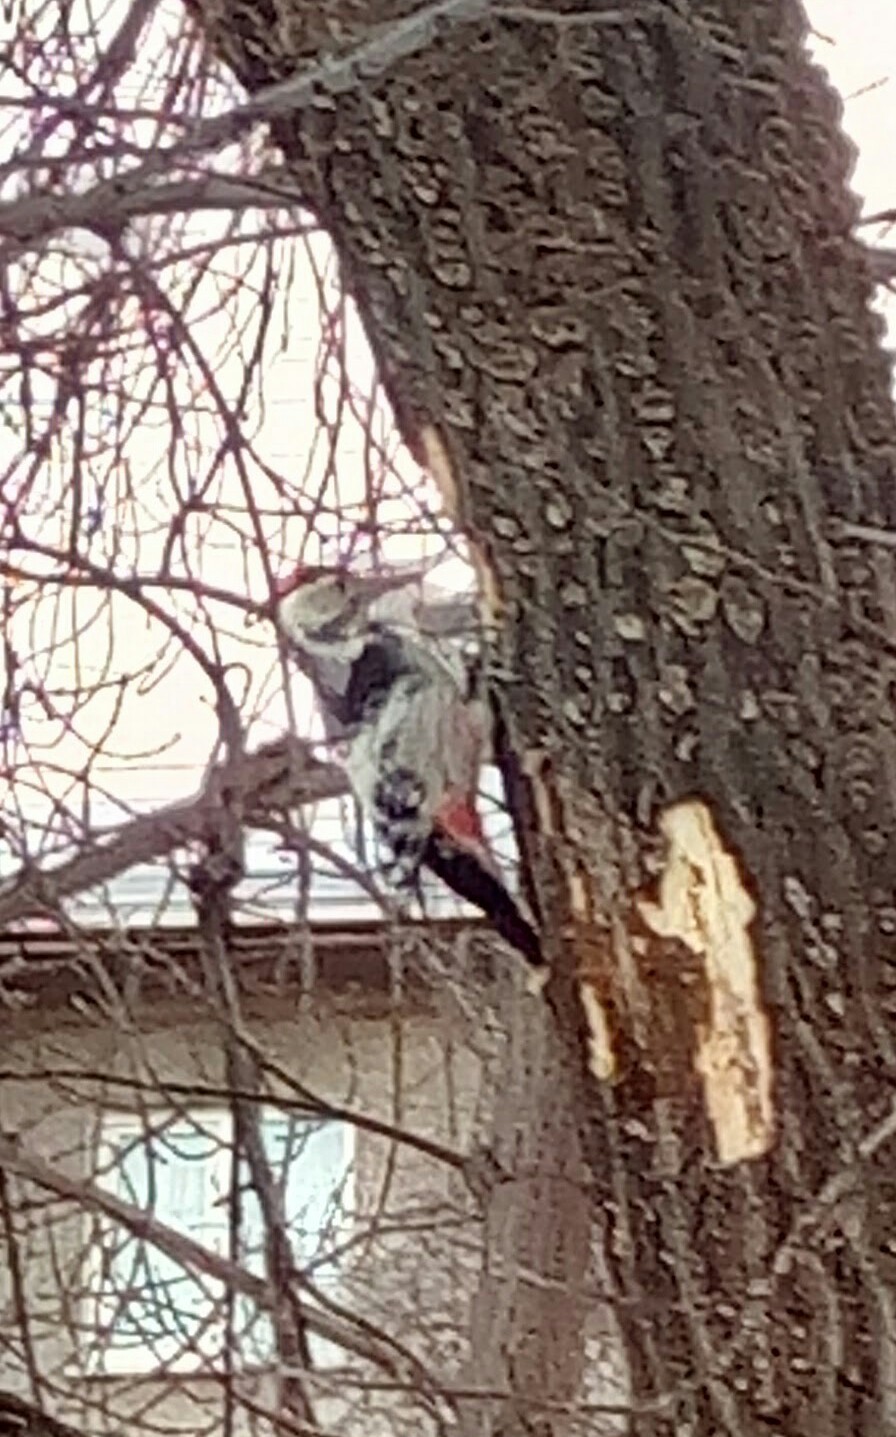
108	203
109	206
21	1418
280	776
882	263
193	1256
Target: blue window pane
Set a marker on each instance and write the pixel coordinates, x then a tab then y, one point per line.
309	1167
146	1297
154	1310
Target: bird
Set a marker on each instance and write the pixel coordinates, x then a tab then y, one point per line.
415	731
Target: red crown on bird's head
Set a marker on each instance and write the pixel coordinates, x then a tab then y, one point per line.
367	586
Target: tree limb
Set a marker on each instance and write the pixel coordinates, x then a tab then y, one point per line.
21	1418
30	221
193	1256
267	782
882	263
109	206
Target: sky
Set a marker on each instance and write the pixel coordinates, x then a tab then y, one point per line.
856	44
166	728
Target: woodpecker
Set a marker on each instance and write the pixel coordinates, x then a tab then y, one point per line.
415	733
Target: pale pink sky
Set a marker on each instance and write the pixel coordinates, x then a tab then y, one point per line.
862	64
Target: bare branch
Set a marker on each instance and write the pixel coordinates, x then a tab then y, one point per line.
20	1418
108	208
266	783
881	260
130	193
15	1158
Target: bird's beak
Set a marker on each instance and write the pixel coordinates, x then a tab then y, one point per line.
365	590
370	587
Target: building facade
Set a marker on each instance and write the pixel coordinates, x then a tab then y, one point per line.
156	1142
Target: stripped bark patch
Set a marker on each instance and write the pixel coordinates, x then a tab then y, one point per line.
704	903
438	464
573	821
601	1056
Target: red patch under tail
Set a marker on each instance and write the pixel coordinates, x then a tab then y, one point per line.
458	817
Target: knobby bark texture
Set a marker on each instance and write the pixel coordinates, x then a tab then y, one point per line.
606	265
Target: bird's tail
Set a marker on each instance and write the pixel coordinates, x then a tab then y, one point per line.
461	868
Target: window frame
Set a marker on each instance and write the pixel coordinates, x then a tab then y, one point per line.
116	1130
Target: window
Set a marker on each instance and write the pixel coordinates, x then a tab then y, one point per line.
147	1310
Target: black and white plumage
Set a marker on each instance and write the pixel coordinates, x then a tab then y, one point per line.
415	734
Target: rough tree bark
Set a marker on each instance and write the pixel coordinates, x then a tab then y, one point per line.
605	261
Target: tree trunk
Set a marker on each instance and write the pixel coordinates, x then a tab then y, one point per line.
605	262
